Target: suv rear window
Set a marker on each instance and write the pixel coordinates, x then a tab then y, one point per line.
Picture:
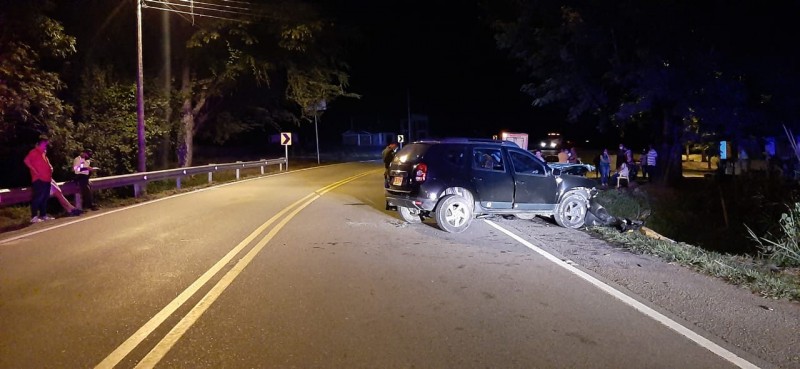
414	152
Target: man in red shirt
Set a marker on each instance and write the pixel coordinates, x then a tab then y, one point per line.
41	176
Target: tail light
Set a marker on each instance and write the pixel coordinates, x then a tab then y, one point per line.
421	172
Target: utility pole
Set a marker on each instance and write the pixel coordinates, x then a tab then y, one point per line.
316	134
167	55
142	162
408	110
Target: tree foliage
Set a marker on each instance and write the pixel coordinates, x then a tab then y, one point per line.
661	65
31	43
108	120
283	49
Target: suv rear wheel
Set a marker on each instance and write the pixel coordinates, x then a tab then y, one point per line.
409	215
453	214
571	211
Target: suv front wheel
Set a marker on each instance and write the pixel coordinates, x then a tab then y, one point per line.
571	211
453	214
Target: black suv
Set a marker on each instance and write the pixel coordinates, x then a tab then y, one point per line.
455	180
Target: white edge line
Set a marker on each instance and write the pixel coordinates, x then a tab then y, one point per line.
127	207
644	309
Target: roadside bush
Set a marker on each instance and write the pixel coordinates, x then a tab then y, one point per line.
785	250
14	217
633	204
708	212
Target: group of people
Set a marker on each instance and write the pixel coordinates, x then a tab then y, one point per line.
43	185
626	166
569	156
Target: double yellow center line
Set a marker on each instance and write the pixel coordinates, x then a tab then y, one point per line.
160	350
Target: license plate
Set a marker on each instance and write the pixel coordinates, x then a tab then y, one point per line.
397	181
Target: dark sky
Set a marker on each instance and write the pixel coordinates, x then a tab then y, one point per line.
441	55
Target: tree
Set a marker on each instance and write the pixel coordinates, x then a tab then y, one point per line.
658	65
29	88
273	52
108	121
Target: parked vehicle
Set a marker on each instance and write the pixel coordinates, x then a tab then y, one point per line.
455	180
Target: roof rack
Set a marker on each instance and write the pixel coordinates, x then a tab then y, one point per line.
477	140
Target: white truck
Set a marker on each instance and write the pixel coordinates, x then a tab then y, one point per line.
521	139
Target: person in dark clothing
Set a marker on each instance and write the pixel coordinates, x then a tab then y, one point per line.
621	157
388	156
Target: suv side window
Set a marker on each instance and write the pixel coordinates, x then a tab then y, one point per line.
488	159
526	164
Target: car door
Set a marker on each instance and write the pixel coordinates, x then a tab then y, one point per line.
534	187
490	176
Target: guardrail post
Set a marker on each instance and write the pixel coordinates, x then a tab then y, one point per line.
262	170
178	183
210	177
280	167
237	174
138	190
78	200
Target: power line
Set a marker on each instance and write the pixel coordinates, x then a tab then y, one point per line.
244	10
193	7
181	15
169	7
238	2
193	14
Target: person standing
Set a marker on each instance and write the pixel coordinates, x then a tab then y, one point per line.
387	156
83	169
633	169
605	167
41	177
620	156
538	153
744	160
643	163
573	156
652	159
563	156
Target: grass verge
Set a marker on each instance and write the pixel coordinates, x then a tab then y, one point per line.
753	272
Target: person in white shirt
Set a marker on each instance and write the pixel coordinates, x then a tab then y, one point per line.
652	159
82	166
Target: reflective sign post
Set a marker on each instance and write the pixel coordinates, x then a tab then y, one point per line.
286	141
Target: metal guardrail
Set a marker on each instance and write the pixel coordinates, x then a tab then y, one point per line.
13	196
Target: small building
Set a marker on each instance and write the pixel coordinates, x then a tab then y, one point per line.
364	138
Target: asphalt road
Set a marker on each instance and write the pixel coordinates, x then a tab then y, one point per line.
308	270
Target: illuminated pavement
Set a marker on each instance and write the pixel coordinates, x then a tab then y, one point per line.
305	270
